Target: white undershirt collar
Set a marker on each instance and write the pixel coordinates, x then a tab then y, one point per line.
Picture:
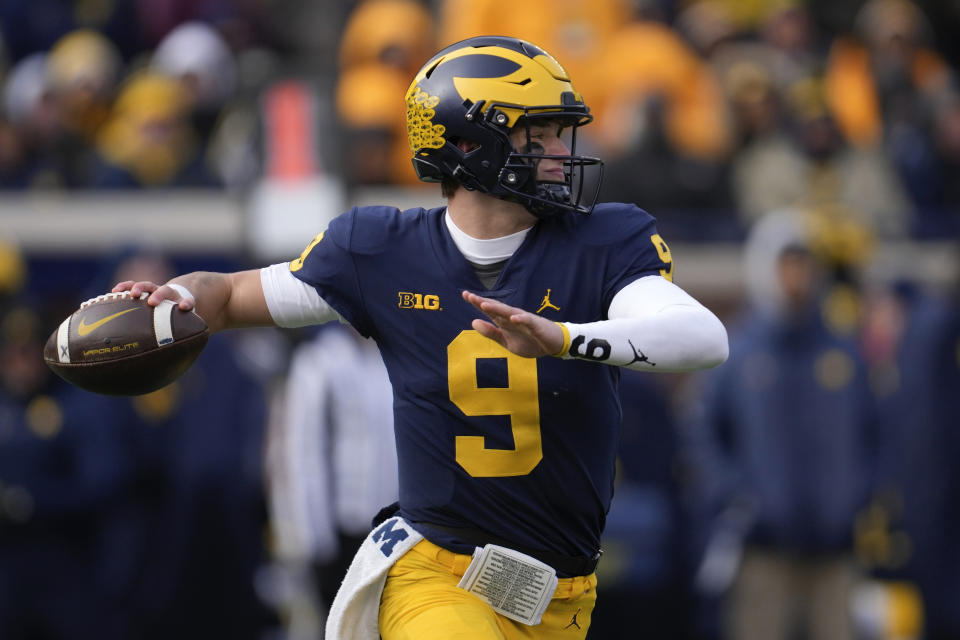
484	252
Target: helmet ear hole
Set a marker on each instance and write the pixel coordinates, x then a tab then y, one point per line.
465	145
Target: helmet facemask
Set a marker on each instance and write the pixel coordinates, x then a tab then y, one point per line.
516	180
545	197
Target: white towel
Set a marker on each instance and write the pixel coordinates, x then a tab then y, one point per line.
355	612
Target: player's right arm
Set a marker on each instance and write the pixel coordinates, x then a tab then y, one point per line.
286	294
223	300
259	297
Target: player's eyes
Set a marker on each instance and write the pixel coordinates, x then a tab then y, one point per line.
542	133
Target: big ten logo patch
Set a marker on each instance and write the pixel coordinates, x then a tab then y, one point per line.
388	535
418	301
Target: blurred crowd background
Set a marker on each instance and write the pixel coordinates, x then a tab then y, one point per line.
808	488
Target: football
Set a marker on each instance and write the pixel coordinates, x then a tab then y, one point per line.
116	344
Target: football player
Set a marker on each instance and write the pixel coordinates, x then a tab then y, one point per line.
503	319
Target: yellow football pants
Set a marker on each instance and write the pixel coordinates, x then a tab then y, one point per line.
421	601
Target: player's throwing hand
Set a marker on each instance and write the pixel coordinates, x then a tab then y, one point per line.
158	293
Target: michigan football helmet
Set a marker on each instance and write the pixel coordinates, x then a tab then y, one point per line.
477	91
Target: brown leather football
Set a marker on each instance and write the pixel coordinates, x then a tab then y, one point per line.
115	344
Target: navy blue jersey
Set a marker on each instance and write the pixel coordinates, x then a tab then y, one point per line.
522	448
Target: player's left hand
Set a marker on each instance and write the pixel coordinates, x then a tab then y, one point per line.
521	332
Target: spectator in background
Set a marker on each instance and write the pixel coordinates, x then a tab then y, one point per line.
810	164
708	26
56	104
663	131
788	31
885	85
643	59
783	441
917	527
887	603
197	55
32	127
220	111
782	46
397	33
756	108
380	52
885	76
149	140
372	127
333	461
59	474
83	68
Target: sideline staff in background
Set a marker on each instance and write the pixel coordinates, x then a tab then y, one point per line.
505	403
336	461
784	441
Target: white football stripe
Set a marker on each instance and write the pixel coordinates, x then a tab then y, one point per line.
63	341
163	322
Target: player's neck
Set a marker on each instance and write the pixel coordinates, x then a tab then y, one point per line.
484	217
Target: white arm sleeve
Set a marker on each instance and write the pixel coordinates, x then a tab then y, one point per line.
653	325
291	301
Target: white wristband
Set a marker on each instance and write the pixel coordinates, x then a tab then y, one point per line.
183	291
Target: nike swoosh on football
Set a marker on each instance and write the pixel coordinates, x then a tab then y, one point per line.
84	328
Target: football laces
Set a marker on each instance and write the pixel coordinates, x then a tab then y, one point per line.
113	296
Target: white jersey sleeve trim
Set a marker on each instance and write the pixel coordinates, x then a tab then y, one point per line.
653	325
291	301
